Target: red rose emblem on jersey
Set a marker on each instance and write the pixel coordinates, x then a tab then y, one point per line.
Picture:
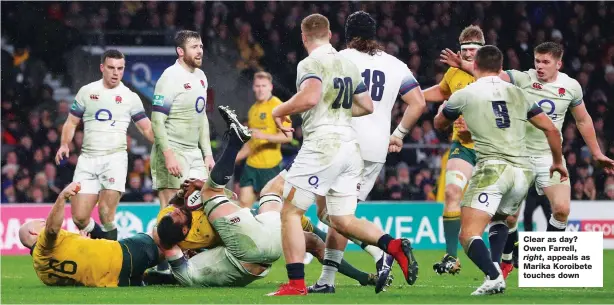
187	86
202	82
537	86
111	180
561	91
118	99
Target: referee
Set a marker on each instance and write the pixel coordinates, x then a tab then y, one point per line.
263	151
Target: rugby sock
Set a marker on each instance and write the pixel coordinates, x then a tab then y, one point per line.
330	265
508	250
296	274
394	247
478	253
555	225
225	166
451	228
375	252
94	229
497	237
110	231
163	266
346	268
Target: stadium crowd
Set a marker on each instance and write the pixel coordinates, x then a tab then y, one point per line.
266	35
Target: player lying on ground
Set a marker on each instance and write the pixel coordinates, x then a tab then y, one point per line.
173	218
106	108
461	157
496	114
329	162
556	93
62	258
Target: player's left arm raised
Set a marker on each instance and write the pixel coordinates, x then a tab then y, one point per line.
584	123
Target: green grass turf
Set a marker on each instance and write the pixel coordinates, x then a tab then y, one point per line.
20	285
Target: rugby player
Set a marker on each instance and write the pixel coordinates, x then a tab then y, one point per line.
385	77
263	151
182	147
106	107
62	258
555	92
330	93
496	113
461	157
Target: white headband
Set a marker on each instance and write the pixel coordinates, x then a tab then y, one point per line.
471	45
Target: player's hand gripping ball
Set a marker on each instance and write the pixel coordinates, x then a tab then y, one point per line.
191	190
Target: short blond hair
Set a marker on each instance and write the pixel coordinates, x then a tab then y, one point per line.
472	33
263	75
315	26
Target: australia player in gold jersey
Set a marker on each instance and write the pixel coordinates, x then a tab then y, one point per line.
62	258
462	158
263	151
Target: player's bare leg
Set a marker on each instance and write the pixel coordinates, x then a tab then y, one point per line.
247	196
165	196
559	196
473	223
457	171
81	208
107	206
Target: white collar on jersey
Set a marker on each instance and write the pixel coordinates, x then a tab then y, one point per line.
489	79
325	48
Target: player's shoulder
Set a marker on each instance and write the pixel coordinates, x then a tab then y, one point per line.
567	80
171	71
95	85
275	100
456	72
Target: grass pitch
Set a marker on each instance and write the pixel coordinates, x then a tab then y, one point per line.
20	285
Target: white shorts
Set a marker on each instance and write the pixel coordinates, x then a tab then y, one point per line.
192	166
369	176
541	167
102	172
337	175
497	187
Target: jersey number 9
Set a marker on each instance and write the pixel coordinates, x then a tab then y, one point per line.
502	116
346	89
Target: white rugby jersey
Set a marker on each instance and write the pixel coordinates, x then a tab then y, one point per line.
331	118
385	77
106	115
554	98
179	104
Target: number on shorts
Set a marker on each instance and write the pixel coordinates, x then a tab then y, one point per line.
379	80
345	89
502	117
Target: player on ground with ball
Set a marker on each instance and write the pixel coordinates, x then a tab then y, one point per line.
385	77
106	107
330	93
555	92
496	114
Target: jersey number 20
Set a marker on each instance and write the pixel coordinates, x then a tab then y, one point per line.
346	90
502	116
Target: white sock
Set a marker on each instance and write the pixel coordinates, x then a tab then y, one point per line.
90	226
507	257
557	224
108	227
375	252
329	269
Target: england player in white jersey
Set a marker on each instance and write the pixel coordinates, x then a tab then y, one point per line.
330	93
385	77
106	108
555	92
182	146
496	114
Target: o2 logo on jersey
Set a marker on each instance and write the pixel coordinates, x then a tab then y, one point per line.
200	104
104	115
483	198
549	110
313	181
